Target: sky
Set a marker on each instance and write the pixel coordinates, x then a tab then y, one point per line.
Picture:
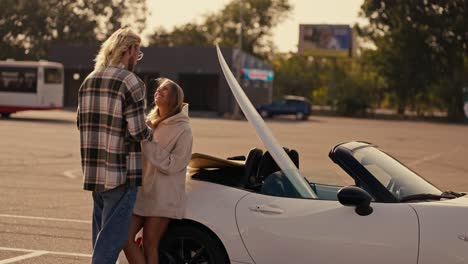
285	36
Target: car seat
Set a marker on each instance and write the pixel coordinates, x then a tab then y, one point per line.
277	184
267	164
250	168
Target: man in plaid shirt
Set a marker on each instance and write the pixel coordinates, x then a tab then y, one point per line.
112	123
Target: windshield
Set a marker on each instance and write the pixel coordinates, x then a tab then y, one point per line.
397	178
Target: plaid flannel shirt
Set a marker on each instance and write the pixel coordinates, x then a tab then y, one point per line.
111	121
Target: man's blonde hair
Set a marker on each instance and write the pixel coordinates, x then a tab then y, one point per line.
113	49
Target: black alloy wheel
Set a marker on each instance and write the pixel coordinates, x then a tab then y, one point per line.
184	244
265	114
300	116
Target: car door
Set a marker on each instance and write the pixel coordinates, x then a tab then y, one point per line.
290	230
50	89
277	108
290	107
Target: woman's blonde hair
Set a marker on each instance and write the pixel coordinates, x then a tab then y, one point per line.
176	102
113	49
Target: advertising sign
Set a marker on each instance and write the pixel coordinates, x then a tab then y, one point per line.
325	40
257	74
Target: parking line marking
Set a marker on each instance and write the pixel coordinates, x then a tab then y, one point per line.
46	219
425	159
44	252
433	156
69	254
23	257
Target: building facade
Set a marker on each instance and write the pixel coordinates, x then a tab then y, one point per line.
195	69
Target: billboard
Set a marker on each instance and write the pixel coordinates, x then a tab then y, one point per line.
325	40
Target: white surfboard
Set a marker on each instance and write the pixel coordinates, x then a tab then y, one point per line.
276	151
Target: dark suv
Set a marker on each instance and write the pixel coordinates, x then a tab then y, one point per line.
289	105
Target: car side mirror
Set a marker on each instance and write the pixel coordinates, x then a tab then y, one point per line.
355	196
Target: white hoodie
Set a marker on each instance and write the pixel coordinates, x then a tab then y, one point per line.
165	163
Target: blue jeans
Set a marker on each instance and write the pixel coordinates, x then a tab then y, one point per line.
111	220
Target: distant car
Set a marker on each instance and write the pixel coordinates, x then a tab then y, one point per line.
289	105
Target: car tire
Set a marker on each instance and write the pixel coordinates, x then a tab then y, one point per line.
191	244
264	114
300	116
5	115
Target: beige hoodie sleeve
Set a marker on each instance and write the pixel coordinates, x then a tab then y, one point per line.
175	160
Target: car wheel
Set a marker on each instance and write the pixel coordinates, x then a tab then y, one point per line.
300	116
264	113
190	244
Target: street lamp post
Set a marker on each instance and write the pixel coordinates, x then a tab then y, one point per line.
238	60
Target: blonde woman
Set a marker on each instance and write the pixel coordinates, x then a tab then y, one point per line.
111	121
162	196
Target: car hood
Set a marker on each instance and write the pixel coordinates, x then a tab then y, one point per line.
443	230
463	201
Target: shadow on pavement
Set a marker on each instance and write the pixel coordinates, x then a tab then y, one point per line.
37	120
291	120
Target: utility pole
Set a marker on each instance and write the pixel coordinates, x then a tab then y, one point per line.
241	23
238	61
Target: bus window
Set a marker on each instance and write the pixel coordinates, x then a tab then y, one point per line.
52	75
19	80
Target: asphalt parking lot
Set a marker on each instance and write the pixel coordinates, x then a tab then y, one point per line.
45	215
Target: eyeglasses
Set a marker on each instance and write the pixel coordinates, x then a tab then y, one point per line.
140	55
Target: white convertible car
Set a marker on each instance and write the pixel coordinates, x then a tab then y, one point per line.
259	209
245	212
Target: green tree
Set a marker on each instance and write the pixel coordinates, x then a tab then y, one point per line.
358	86
296	75
259	17
401	57
420	46
447	22
29	27
186	35
350	85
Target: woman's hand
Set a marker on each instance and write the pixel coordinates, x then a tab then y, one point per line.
149	124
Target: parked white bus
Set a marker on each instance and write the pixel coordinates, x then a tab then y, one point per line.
30	85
